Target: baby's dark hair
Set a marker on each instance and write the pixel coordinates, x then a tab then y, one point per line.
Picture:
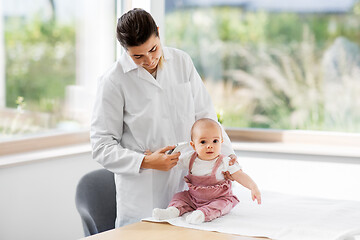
202	121
135	27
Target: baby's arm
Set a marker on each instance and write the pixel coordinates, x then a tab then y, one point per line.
247	182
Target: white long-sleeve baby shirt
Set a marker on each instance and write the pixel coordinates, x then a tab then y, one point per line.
204	167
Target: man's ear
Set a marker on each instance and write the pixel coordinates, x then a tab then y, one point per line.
192	144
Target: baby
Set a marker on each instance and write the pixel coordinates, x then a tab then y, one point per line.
209	195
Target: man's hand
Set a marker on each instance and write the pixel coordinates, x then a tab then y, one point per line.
159	160
232	161
228	176
148	152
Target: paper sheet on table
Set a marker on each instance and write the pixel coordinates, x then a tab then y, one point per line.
287	217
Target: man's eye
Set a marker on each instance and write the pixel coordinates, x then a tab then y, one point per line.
138	57
202	142
153	50
215	141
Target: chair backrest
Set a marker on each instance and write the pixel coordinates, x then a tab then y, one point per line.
96	201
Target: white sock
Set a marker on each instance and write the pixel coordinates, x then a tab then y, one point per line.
196	217
163	214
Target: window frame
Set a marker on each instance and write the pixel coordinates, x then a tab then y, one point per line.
294	136
43	142
242	135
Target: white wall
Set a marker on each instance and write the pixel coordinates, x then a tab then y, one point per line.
306	175
37	200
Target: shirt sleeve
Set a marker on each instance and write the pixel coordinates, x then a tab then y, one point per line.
107	129
204	107
233	168
184	159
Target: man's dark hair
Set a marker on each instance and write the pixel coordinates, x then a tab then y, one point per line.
135	27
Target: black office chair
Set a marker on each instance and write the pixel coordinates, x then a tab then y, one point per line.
96	201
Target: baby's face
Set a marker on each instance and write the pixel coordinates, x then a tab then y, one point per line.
207	141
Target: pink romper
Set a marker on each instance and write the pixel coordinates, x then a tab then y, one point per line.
213	197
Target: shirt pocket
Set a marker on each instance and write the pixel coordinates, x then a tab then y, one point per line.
140	101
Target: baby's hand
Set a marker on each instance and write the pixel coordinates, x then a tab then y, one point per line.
255	194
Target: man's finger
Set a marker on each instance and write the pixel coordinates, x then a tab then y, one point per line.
227	175
172	159
175	155
231	178
163	150
147	152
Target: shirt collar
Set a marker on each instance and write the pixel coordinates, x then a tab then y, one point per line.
167	53
127	63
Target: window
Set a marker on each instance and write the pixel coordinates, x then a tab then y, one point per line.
51	55
54	52
274	64
266	65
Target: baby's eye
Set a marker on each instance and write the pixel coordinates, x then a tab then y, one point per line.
202	142
215	141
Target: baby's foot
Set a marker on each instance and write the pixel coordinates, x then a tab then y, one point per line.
163	214
196	217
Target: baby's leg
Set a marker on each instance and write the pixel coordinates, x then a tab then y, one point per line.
182	202
217	208
179	205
